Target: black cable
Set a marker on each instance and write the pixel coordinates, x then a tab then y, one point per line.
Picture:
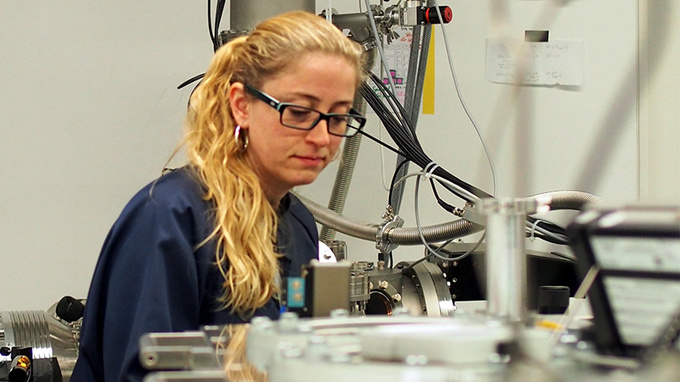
393	117
413	264
378	141
212	35
557	234
398	125
548	225
451	209
219	9
393	181
409	137
547	238
190	80
385	116
213	39
396	108
453	254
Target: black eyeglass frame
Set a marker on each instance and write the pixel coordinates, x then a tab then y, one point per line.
281	106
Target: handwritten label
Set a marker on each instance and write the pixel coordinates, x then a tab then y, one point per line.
534	63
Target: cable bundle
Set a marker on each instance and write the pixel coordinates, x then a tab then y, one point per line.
393	116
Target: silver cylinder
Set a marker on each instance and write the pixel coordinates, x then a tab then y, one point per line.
44	334
246	14
506	270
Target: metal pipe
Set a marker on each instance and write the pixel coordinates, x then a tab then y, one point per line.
246	14
568	200
440	232
414	93
343	176
400	236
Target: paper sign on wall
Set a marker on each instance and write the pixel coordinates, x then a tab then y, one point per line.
534	63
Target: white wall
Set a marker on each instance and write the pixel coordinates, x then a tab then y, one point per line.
89	113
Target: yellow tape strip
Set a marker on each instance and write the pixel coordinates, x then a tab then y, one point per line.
428	83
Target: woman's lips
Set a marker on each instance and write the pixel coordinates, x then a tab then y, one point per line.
310	160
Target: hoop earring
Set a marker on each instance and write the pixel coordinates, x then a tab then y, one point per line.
241	139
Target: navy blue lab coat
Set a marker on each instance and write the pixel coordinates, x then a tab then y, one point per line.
151	277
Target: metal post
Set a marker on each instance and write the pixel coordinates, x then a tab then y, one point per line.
246	14
506	274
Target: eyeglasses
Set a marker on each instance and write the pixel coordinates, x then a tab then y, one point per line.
305	118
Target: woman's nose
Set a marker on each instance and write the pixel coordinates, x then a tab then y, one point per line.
319	134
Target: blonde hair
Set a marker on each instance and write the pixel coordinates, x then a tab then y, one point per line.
235	363
245	221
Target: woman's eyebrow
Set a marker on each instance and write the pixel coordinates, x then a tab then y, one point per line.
315	100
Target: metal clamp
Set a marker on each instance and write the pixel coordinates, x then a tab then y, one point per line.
391	221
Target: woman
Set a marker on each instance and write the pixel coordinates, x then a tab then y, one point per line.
210	242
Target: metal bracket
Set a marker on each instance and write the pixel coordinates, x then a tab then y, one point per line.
391	221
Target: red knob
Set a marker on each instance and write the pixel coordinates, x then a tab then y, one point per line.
431	16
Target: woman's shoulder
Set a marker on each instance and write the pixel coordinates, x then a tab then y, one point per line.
297	216
297	209
180	185
176	192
